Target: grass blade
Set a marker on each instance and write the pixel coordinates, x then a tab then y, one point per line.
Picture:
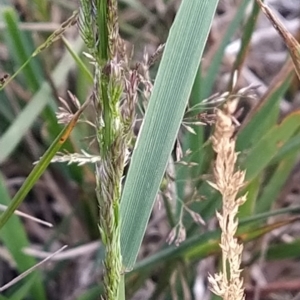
26	118
266	112
19	42
14	227
40	167
172	88
290	41
215	65
206	244
275	185
262	153
21	47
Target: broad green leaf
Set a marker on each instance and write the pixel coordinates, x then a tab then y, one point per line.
171	91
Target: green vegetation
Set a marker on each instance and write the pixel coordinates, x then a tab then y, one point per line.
75	93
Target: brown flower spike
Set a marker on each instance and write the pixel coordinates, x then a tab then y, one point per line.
227	284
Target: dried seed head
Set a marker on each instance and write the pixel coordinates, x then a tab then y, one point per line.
228	182
65	112
172	235
181	235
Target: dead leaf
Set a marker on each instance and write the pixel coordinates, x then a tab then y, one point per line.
290	41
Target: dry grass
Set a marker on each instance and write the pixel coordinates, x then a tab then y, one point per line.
227	284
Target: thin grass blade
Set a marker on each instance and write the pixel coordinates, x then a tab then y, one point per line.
268	146
40	167
216	61
207	244
15	228
21	47
265	113
290	41
27	117
11	23
274	186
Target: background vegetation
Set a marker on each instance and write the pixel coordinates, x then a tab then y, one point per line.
184	211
